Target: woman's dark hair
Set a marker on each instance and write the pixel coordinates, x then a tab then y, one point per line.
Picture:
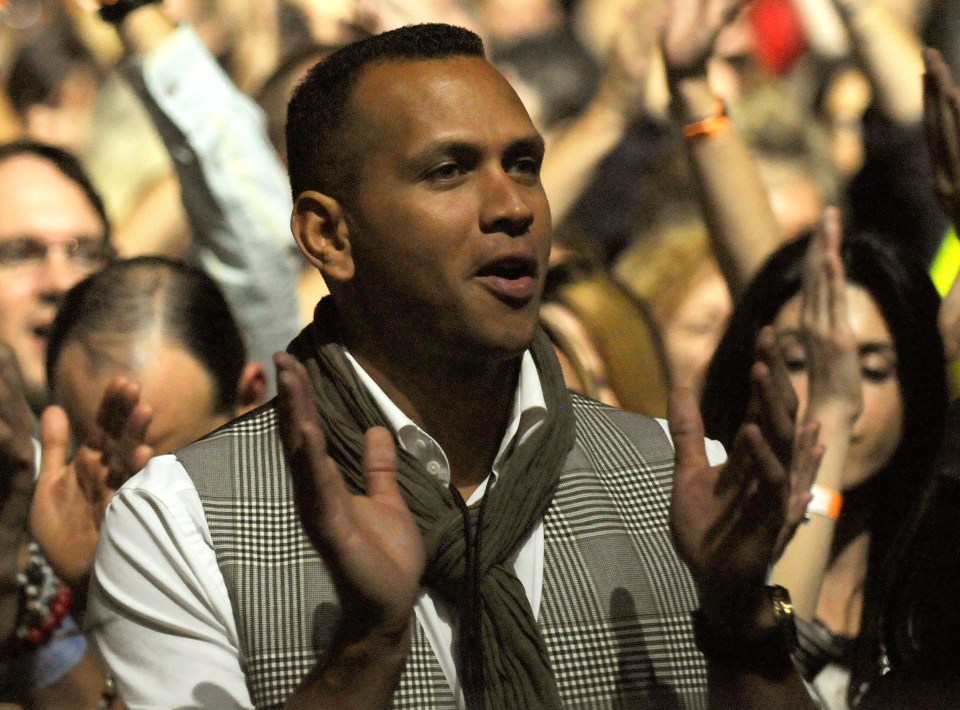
131	298
909	304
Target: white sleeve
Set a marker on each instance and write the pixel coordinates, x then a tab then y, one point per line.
159	612
716	454
233	186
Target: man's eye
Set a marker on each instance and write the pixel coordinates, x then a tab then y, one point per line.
527	165
447	171
90	251
21	251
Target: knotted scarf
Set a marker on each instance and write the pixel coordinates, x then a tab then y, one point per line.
502	658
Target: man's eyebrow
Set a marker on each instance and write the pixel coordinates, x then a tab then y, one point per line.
532	145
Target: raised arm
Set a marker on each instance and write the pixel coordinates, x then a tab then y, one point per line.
742	226
232	184
889	54
577	149
370	544
827	347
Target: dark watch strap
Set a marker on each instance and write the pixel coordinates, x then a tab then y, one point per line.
114	11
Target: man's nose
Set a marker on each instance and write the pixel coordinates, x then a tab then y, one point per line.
507	204
57	274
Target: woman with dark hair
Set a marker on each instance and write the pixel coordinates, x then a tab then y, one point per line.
881	425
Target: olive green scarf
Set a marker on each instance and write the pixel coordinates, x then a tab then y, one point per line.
502	659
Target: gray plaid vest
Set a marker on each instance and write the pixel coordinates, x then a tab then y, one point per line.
615	610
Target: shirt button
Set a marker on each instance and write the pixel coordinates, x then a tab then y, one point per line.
434	468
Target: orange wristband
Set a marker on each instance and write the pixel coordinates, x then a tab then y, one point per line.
710	126
826	502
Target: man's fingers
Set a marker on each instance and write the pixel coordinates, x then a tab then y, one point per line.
380	464
775	420
686	429
119	398
322	496
769	353
294	402
54	440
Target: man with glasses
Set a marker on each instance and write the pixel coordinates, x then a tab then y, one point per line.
53	233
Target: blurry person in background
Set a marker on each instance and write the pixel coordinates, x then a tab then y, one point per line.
53	233
161	333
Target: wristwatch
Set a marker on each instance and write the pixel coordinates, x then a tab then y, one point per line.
766	654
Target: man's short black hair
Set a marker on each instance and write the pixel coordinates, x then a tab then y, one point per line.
67	165
317	151
129	299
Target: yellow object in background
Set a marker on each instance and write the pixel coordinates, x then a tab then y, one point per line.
943	272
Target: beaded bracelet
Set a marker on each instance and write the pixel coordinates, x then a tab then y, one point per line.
44	602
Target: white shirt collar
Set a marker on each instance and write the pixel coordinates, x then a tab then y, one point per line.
528	412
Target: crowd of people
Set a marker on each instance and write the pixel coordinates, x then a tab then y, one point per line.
479	354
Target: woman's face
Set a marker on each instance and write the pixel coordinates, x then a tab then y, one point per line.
691	334
878	429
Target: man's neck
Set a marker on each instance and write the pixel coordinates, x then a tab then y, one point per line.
465	408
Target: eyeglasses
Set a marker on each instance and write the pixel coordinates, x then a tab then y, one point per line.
30	253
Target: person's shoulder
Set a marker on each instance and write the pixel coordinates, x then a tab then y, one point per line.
650	434
599	422
259	421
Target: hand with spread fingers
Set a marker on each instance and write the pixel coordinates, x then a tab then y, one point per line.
370	543
730	521
72	495
16	486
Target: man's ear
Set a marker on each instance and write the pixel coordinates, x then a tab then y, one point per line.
320	227
252	387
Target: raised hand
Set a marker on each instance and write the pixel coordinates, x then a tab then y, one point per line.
691	31
370	543
16	485
730	521
833	365
834	400
72	496
632	55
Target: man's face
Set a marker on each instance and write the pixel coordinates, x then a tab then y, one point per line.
40	209
449	222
